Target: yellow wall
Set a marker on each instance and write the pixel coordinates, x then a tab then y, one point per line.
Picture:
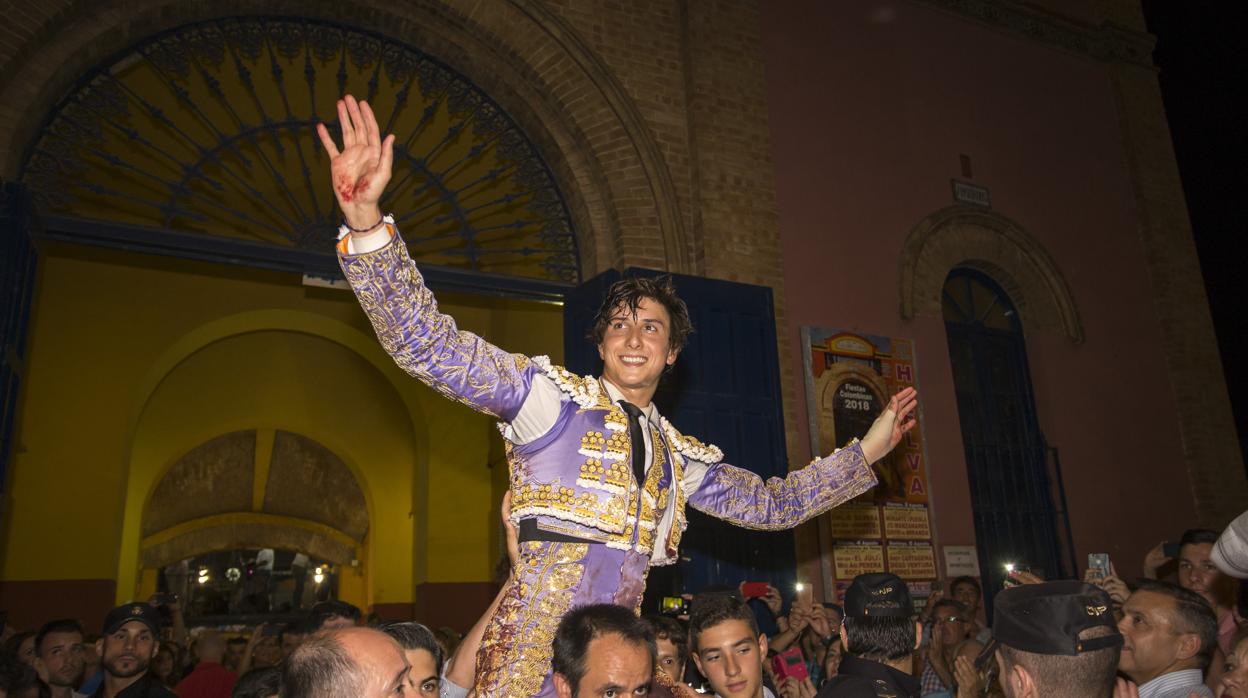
135	360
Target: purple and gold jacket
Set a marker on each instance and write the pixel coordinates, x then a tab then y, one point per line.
577	479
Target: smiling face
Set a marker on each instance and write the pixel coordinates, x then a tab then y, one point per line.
636	349
730	656
968	595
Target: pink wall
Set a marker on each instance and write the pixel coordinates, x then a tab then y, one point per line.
871	104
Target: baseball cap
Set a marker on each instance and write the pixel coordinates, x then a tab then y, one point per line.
145	613
1230	552
878	595
1047	618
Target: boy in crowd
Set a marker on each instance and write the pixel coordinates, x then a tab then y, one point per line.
727	647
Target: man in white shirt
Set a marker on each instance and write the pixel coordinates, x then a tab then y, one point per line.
58	657
1169	635
1055	639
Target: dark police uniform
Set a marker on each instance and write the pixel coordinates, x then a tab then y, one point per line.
870	596
861	678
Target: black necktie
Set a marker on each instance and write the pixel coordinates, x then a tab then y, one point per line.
637	440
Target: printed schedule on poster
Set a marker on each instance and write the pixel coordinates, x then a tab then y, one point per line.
853	559
906	522
912	561
856	521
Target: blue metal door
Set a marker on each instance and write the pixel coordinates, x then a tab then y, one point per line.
17	285
1017	499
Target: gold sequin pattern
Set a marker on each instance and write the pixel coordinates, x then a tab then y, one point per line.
615	419
515	652
605	468
592	443
562	502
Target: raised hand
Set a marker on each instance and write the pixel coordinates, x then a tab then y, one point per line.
799	618
790	687
819	622
970	683
892	424
1155	559
1116	588
930	607
361	170
1025	577
773	600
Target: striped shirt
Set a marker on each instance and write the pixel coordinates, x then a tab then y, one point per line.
1176	684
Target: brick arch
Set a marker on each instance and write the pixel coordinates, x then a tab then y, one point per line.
961	236
306	499
532	62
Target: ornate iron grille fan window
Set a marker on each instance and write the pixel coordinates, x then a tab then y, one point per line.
209	130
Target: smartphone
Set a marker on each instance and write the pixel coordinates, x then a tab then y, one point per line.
1010	581
985	656
790	663
164	598
674	606
1170	549
754	590
1098	566
804	596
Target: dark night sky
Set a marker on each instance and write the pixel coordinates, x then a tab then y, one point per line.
1204	82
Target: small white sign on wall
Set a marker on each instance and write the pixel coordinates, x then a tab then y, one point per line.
961	561
967	193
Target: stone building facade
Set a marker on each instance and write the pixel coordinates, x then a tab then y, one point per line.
669	127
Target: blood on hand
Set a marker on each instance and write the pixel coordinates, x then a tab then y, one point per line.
345	190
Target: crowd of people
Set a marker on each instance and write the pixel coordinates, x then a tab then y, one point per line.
1099	637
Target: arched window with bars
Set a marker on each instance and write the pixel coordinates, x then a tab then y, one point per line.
1017	501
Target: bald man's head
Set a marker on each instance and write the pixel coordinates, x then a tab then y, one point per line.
209	647
347	662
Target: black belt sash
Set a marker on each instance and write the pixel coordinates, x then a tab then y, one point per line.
530	532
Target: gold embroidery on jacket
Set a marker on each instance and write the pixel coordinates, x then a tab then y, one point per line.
691	447
584	390
516	649
782	503
394	297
